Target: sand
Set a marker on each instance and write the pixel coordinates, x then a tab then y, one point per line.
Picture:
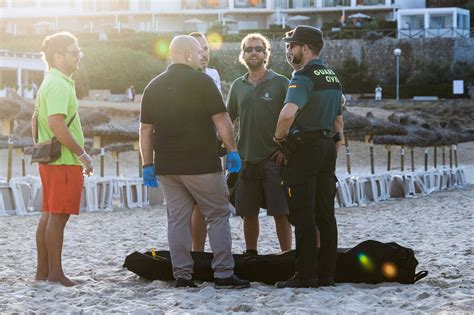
439	227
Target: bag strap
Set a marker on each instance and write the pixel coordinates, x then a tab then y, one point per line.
37	123
420	275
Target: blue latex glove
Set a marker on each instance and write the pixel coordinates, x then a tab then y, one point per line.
149	176
232	162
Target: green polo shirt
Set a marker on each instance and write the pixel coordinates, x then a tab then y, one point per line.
316	91
257	108
57	95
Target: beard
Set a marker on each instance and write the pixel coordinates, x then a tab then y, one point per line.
254	64
295	59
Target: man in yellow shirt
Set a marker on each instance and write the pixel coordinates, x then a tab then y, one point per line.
56	115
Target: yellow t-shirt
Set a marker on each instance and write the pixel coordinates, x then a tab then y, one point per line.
57	95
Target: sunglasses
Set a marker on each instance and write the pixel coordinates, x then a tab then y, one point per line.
291	45
258	49
75	53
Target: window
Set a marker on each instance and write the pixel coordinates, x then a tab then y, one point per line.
23	4
463	22
413	22
144	5
441	21
250	4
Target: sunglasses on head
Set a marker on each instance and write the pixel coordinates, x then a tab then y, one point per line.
258	49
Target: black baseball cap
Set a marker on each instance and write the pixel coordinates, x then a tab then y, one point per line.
304	34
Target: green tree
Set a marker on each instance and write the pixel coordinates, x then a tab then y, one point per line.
118	68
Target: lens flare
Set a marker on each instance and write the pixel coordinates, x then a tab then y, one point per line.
215	41
389	270
160	48
365	262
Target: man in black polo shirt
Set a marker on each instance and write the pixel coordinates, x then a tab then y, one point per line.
180	112
312	110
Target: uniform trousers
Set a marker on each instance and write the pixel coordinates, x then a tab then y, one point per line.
309	183
210	193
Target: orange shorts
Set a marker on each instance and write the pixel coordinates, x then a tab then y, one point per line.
62	188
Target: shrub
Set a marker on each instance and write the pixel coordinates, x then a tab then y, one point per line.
116	69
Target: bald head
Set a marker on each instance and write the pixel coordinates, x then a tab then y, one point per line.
185	49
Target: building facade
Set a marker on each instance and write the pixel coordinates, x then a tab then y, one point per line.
45	16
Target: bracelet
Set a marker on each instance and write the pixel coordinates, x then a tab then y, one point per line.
275	139
147	165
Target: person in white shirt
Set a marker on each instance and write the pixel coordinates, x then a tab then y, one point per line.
378	93
201	38
198	221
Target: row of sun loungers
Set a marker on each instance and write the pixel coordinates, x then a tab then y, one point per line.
360	190
23	195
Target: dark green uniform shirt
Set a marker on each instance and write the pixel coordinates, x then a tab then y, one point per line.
258	108
316	90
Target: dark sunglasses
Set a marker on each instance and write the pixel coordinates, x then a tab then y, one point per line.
291	45
258	49
75	53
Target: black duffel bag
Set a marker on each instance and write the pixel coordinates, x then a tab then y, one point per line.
369	262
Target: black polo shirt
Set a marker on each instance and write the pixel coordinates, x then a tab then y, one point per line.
180	103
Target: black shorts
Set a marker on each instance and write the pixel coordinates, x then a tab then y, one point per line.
251	193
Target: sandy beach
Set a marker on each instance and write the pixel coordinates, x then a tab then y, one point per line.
439	227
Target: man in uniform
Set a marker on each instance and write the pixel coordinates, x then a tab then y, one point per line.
312	110
256	99
180	112
56	115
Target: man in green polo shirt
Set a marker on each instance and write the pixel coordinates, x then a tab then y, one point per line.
256	99
56	115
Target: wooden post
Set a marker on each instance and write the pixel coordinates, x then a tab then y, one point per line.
455	148
426	159
348	152
450	156
8	131
136	146
402	158
389	157
372	164
97	144
117	163
102	162
443	154
435	157
21	152
412	156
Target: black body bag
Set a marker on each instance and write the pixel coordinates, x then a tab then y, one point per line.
368	262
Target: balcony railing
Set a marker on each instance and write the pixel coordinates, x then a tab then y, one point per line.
250	4
204	4
335	3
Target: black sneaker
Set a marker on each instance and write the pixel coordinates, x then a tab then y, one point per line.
231	283
183	283
251	252
295	282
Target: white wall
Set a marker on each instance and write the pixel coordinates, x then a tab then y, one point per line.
410	4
